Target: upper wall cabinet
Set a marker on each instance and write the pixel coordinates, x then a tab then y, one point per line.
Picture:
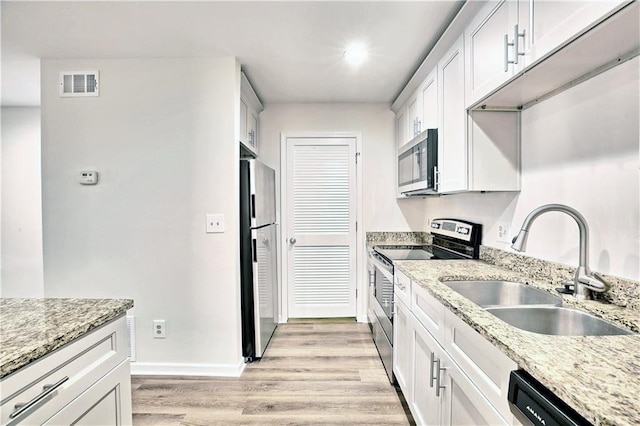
250	108
452	146
549	24
520	52
495	46
401	127
420	112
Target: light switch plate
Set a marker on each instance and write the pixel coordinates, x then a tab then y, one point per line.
215	223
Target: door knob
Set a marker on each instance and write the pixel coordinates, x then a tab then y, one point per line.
292	240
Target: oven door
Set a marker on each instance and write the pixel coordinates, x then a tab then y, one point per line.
384	285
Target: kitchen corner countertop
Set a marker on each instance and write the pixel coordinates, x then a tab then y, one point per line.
596	375
32	328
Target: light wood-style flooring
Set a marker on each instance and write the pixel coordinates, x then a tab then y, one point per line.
316	372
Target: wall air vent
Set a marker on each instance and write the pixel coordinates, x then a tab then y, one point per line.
131	337
79	83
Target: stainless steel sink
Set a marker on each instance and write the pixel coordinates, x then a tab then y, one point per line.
556	321
503	293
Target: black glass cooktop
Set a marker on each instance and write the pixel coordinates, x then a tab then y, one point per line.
405	252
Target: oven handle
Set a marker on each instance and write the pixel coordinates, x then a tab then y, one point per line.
386	270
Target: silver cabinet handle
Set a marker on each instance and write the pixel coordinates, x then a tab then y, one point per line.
516	35
292	240
419	123
431	376
46	391
506	53
438	370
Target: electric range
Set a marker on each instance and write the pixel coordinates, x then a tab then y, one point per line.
452	239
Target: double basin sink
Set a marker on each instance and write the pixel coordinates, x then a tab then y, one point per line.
531	309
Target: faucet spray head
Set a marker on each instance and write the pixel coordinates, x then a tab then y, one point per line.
520	242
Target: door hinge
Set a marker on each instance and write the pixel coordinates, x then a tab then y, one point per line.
357	155
356	226
356	293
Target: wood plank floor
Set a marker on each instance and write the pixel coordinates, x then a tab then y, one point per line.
313	373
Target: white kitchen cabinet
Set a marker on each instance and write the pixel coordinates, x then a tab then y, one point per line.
424	404
102	403
490	50
493	145
402	347
414	114
401	129
250	108
442	394
553	23
429	96
79	372
463	403
452	142
448	373
484	364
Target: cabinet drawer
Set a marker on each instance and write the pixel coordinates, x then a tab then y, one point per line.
487	367
106	402
82	363
402	286
429	311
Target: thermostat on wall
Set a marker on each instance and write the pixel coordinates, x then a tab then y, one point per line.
89	177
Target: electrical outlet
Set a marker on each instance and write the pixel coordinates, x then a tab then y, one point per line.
428	223
503	235
159	329
215	223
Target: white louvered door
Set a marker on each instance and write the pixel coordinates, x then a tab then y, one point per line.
321	233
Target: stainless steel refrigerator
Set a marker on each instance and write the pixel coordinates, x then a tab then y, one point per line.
258	246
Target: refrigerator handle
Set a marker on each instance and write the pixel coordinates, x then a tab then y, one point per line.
254	250
253	206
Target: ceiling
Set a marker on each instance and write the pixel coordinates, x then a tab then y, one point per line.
291	51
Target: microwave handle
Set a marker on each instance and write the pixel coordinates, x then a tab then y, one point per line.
436	178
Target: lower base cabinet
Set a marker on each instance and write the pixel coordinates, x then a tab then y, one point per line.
107	402
86	382
437	389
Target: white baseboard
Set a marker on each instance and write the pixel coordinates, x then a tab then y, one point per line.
180	369
363	318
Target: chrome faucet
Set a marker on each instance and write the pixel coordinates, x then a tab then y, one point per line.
584	281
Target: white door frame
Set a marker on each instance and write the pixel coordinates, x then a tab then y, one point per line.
361	295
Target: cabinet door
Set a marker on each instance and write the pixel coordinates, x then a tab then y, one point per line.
244	110
107	402
402	347
487	65
452	145
414	115
550	24
252	128
429	95
424	403
401	128
463	403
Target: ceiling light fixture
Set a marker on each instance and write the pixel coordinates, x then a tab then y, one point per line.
356	54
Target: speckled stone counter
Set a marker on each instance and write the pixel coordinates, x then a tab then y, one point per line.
32	328
599	376
398	238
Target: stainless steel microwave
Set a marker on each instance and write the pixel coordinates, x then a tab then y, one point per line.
418	165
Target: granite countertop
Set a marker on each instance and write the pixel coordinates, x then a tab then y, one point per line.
596	375
32	328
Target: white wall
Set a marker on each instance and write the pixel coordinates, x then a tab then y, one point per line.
381	210
579	148
22	270
163	136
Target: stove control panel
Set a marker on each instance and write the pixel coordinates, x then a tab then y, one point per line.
460	230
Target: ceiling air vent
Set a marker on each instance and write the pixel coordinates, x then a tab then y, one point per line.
79	83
